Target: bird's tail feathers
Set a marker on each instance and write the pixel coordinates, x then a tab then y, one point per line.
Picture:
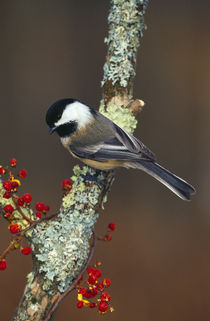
173	182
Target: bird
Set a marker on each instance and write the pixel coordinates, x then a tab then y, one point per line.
102	144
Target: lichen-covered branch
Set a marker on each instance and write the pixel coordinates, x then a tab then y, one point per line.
61	246
126	25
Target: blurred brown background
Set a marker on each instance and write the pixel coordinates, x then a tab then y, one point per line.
159	259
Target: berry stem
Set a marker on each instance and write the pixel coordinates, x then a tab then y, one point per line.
20	211
17	239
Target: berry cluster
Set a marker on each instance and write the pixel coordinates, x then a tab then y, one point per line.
94	295
17	209
112	228
41	209
108	236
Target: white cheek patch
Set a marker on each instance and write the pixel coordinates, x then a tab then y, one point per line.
76	112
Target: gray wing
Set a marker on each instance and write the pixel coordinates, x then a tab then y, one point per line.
132	143
111	133
106	140
126	147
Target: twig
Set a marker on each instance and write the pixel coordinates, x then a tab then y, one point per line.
20	210
17	239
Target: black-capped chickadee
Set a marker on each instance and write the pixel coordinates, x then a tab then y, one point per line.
100	143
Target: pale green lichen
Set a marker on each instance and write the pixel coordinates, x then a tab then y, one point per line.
3	201
78	187
104	200
23	315
30	278
35	307
47	285
63	245
70	199
126	23
123	117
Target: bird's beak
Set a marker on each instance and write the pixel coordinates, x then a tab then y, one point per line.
51	130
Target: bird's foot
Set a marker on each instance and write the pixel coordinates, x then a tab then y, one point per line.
94	177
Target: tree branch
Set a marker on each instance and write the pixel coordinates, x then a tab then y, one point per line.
126	25
61	245
74	283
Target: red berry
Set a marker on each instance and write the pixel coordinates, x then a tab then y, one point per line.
22	173
90	270
8	208
27	198
3	265
39	215
14	185
93	271
103	306
105	297
14	228
21	201
2	170
93	292
108	237
100	287
7	186
92	305
66	184
92	279
39	206
13	162
8	216
26	250
80	304
107	282
46	208
87	295
112	226
82	291
7	194
97	273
